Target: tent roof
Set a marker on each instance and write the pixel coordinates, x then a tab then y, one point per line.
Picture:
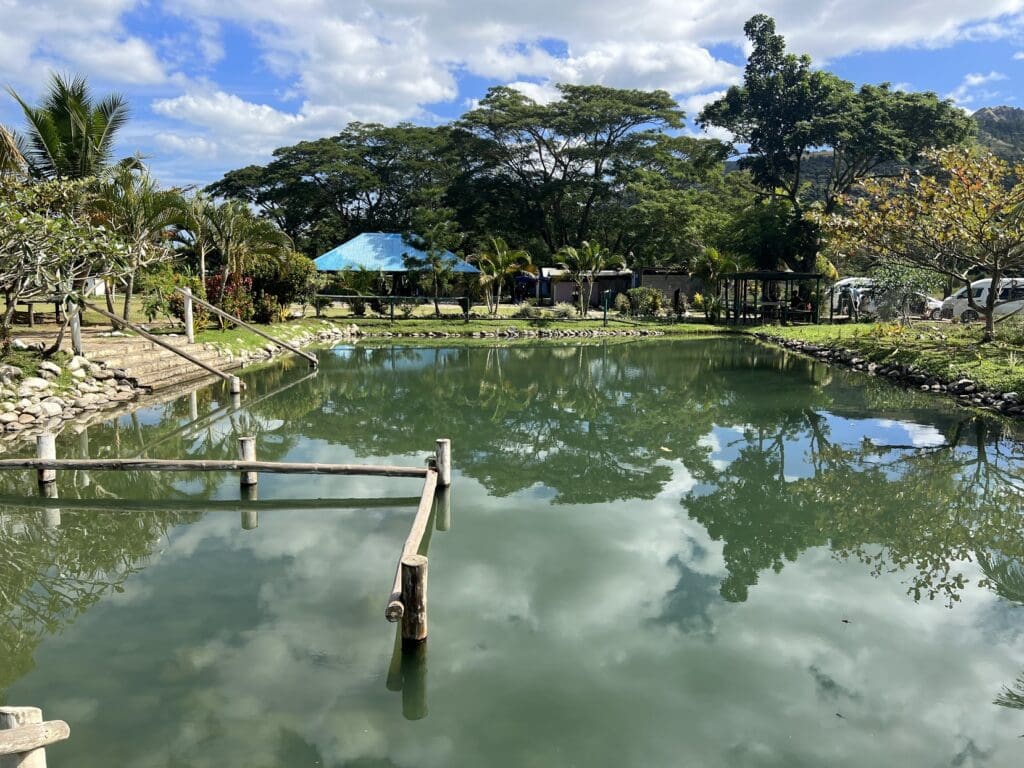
379	252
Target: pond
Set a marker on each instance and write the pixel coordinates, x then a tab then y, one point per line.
664	553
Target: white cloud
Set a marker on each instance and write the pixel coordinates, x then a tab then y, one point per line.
972	90
373	60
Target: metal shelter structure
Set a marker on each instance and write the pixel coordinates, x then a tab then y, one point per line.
765	296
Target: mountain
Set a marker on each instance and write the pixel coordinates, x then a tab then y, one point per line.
1001	129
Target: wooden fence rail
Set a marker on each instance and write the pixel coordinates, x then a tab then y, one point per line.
214	465
190	331
24	737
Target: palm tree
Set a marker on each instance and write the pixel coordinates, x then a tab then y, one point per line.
584	264
12	160
130	204
240	238
195	229
498	263
70	135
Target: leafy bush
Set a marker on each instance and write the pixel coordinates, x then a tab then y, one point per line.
162	298
621	303
1011	330
565	311
287	279
645	301
267	309
526	311
407	308
238	299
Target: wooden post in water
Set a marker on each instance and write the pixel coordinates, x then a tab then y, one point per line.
193	406
414	599
247	452
24	736
250	517
46	448
236	385
444	463
190	331
443	510
414	681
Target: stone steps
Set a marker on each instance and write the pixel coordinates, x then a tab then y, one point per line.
152	366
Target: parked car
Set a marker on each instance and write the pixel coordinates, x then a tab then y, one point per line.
842	289
1010	299
921	304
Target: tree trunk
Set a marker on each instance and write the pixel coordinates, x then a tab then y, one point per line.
202	270
108	296
128	290
222	292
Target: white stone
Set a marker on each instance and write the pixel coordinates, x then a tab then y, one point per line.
50	409
34	382
53	368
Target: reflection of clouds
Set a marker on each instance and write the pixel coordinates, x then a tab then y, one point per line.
544	646
919	435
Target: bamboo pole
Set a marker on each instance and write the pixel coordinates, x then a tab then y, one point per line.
443	513
444	462
202	505
212	465
290	347
190	331
395	607
414	599
247	452
161	343
46	448
24	736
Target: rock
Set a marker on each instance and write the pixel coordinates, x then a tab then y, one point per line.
50	367
34	382
26	418
19	345
50	409
14	426
10	372
101	374
32	409
78	362
8	417
79	373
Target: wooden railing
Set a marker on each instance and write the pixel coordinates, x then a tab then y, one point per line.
191	334
236	383
24	736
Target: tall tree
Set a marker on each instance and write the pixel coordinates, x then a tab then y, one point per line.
12	159
564	158
785	110
132	205
964	221
70	134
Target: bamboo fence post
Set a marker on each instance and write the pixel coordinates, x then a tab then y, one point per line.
414	599
46	448
414	681
236	385
444	463
443	511
190	331
24	736
247	452
395	607
75	320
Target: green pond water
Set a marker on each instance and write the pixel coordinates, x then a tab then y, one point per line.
678	553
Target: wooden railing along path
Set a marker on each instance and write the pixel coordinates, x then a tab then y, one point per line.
24	737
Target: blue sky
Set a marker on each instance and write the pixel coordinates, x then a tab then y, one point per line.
216	85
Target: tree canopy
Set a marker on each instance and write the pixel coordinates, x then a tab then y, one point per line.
786	113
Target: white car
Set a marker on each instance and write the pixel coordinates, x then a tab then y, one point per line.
1010	299
921	304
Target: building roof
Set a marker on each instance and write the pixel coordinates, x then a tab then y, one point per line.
379	252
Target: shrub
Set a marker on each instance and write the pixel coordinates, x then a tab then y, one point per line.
162	298
698	302
407	308
526	312
287	279
1011	330
237	296
621	303
267	309
565	311
645	301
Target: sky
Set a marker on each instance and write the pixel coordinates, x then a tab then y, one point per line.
218	84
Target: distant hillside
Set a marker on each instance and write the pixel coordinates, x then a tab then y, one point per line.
1001	129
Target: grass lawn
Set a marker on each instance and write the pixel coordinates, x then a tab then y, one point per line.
945	350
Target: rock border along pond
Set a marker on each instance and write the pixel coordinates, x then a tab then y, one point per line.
966	392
